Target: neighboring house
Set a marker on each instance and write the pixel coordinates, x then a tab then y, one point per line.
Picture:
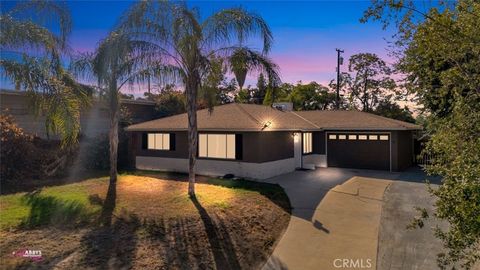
95	120
256	141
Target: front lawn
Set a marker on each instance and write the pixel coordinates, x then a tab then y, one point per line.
154	225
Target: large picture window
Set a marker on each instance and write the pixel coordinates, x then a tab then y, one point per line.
158	141
307	143
216	146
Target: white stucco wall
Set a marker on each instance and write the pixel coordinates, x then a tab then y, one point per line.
317	160
218	167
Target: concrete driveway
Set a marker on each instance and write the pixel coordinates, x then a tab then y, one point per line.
335	221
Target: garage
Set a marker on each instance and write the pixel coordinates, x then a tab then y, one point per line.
358	150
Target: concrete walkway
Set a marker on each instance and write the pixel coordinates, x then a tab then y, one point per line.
335	216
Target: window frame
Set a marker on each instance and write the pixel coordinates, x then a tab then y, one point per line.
162	140
235	143
309	140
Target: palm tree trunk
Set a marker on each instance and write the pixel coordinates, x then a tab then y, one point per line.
113	134
191	91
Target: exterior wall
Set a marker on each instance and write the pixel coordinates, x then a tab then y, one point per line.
267	146
181	146
257	147
405	150
218	167
315	159
319	142
264	155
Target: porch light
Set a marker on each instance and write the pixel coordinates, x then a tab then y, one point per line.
266	125
296	137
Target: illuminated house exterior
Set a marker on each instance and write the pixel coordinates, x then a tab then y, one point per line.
258	142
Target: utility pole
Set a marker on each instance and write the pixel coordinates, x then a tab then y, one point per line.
148	82
339	63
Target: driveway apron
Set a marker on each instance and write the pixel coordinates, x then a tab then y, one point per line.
335	219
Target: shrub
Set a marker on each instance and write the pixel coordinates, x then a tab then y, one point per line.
24	158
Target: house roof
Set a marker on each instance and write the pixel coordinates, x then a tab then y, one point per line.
353	120
250	117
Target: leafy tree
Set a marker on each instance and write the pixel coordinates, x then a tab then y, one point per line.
312	96
439	51
261	91
226	91
186	44
170	102
209	91
269	96
390	109
244	96
31	58
273	94
368	81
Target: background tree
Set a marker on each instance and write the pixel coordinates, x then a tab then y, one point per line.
170	102
439	51
31	58
261	90
368	81
186	43
226	91
390	109
312	96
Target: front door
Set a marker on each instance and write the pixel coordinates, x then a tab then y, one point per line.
297	146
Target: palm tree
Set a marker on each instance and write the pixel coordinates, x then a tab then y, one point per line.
117	61
187	44
31	58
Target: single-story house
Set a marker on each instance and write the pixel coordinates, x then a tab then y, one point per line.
256	141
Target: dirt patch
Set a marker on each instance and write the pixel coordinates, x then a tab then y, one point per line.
156	226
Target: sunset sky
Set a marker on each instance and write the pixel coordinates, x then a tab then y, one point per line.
306	33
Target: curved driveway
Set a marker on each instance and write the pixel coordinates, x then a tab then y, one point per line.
335	215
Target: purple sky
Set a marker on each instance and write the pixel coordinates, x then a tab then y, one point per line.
306	33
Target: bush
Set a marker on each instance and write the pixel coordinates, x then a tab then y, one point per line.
24	158
97	155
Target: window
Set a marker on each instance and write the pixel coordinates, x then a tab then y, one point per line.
352	137
332	137
384	137
307	143
217	146
158	141
342	137
362	137
373	137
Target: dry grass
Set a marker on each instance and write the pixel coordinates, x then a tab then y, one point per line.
155	225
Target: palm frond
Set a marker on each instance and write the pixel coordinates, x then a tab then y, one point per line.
44	13
243	60
234	26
